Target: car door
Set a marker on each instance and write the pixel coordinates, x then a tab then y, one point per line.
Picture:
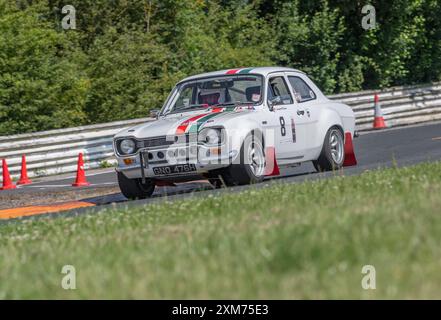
287	120
307	107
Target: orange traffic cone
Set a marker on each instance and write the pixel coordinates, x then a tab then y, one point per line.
7	182
24	172
350	159
379	119
271	167
81	174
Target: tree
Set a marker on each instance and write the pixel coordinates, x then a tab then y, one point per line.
310	43
40	84
128	76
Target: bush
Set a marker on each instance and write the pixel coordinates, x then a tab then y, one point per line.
41	86
125	73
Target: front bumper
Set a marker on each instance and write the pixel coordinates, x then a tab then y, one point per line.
204	159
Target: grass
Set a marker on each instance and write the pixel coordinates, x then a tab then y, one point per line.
106	164
286	241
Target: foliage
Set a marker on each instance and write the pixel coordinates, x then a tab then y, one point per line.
125	56
310	43
41	86
124	71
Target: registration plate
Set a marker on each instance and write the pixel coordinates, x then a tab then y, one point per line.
175	169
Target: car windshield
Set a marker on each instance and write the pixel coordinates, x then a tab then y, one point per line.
216	91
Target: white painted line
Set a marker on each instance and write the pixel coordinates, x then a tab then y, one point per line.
423	124
98	173
64	185
87	175
49	186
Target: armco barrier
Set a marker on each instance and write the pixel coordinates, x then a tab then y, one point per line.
56	151
401	105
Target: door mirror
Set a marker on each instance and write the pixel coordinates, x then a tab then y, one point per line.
273	102
154	113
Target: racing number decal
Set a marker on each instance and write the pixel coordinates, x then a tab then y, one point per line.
282	126
293	128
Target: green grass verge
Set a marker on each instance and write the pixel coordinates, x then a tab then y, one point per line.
286	241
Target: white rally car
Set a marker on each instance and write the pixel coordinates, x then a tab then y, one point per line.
235	127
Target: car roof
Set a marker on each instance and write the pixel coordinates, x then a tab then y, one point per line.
264	71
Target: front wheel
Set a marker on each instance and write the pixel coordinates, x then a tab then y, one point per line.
134	188
251	168
333	151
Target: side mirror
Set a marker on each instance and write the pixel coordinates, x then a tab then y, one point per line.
273	102
270	106
154	113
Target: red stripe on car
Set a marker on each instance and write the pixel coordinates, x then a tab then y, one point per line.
233	71
184	125
182	128
218	109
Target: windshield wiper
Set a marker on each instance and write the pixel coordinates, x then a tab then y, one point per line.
238	103
193	106
227	104
233	103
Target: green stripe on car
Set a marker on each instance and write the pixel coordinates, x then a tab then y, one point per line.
195	127
245	71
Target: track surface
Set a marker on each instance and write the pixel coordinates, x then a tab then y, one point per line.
402	147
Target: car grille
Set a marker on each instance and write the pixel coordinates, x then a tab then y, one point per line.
155	142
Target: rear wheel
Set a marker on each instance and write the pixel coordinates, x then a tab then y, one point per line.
134	188
251	168
332	155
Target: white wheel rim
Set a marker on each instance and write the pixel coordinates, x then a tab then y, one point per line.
256	159
336	144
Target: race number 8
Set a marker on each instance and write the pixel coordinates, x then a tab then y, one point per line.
282	126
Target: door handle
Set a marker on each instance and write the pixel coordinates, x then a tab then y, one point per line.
300	112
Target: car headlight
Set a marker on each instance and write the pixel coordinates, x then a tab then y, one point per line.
211	136
127	146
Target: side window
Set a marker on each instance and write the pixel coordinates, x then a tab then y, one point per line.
278	91
185	98
302	90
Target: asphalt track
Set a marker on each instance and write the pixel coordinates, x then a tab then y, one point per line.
378	149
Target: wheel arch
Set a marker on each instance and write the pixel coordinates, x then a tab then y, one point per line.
259	132
241	130
338	126
328	119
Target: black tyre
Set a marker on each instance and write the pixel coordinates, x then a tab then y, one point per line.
249	170
134	188
332	156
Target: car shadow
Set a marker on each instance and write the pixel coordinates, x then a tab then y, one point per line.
188	188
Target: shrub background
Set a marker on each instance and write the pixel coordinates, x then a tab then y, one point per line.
126	55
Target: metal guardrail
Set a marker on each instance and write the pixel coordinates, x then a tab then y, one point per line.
56	151
401	105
